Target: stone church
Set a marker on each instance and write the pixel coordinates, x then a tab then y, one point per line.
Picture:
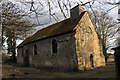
67	45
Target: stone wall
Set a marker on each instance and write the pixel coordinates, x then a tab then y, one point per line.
64	59
87	43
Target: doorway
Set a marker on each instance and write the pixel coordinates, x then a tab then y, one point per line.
91	60
26	58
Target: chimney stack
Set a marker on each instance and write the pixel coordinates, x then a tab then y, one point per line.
76	11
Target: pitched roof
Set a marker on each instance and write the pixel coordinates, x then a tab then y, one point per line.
55	29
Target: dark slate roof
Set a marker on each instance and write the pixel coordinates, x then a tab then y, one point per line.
53	30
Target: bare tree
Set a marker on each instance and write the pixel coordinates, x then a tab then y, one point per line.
14	22
106	28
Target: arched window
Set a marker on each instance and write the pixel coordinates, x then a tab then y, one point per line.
91	60
54	47
35	49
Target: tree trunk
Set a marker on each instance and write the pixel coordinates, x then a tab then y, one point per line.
14	49
13	56
104	51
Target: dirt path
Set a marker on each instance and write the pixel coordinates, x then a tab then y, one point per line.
10	71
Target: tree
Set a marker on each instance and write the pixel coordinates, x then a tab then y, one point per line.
106	27
14	22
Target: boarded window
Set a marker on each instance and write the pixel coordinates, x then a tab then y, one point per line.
35	49
54	47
